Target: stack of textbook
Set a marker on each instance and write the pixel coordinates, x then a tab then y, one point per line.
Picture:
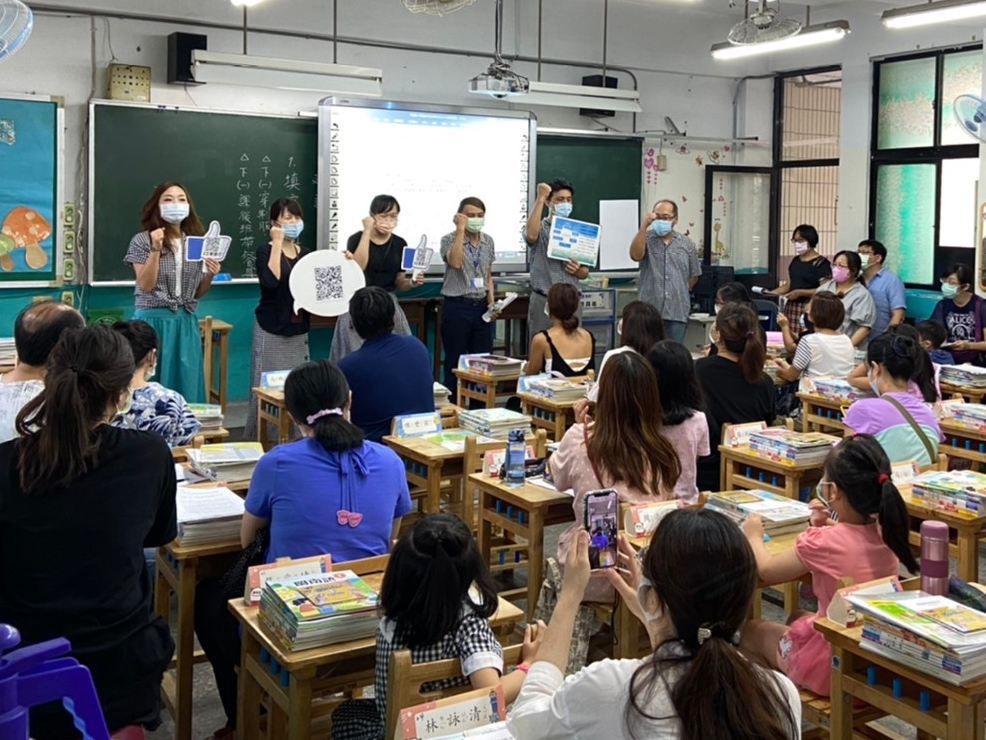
839	389
210	416
969	376
785	446
557	389
970	414
494	366
208	515
781	515
8	352
495	423
931	634
311	611
958	492
232	462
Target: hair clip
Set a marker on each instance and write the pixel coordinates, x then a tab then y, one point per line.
324	412
704	633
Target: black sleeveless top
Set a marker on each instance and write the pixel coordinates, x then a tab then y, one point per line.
560	365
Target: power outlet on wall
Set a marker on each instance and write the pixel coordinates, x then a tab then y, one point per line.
68	297
68	215
68	243
68	270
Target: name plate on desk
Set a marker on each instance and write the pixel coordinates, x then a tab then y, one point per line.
274	380
416	425
739	434
904	473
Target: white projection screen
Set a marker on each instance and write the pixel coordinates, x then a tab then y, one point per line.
429	158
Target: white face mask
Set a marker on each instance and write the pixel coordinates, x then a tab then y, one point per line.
128	403
654	616
546	311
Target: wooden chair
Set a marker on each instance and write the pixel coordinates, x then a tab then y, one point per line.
405	680
940	464
472	462
206	330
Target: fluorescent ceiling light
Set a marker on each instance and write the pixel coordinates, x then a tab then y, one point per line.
285	74
942	11
580	96
808	36
245	3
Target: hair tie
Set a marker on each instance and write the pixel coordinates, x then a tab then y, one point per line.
749	334
75	369
324	412
706	632
883	478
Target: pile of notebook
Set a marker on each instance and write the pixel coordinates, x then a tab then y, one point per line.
967	375
958	492
838	388
493	365
557	389
208	515
8	353
210	416
232	462
931	634
971	414
785	446
495	423
441	395
780	514
315	610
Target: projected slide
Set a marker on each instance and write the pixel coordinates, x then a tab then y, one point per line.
429	161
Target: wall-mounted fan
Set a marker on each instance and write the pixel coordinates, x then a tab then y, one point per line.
764	25
16	22
436	7
971	113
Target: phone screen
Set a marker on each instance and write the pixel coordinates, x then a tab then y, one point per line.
601	511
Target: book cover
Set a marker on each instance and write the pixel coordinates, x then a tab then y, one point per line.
312	597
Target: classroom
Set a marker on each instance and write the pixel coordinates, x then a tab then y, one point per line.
523	368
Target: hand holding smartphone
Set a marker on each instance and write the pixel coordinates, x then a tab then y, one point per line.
601	521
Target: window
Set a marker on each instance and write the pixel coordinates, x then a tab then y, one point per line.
925	166
806	139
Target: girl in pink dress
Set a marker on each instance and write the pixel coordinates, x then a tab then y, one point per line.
869	541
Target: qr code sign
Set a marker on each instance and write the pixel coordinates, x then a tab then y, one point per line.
328	283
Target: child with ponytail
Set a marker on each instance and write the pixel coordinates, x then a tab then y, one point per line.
869	541
437	599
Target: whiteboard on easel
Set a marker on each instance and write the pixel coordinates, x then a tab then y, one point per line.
619	221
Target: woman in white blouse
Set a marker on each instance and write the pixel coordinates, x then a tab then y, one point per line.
692	588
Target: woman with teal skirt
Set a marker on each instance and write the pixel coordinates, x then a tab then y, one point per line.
169	286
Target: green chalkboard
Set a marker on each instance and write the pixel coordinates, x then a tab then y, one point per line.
598	168
233	165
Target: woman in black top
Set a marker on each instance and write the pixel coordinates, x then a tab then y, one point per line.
280	336
79	500
806	272
380	254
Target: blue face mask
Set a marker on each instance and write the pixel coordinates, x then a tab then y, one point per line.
293	231
174	213
662	228
563	209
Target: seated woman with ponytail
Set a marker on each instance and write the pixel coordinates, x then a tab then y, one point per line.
331	492
692	588
79	500
869	541
563	348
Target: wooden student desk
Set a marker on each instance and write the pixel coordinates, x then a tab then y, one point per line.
740	468
272	414
215	355
957	712
483	388
963	441
964	534
545	413
178	570
293	679
822	413
518	513
972	395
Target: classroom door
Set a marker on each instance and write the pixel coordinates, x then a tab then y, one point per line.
737	218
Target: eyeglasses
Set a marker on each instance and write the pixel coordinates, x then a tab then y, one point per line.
865	251
664	217
387	218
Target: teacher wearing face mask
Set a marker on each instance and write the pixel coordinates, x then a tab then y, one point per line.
557	198
669	267
168	286
467	290
847	283
805	273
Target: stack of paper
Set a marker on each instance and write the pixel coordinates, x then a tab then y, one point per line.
959	492
780	515
210	416
969	376
494	366
931	634
208	515
495	423
311	611
232	462
787	447
838	388
8	353
441	395
971	414
557	389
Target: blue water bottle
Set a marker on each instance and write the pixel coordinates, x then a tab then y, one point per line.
516	455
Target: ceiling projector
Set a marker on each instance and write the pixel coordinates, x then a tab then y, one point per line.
499	81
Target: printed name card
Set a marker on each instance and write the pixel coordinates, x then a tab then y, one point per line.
842	612
416	425
739	434
453	715
904	473
273	380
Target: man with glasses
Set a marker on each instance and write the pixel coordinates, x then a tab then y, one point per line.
886	288
669	267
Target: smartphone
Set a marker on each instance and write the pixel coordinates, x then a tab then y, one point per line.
602	523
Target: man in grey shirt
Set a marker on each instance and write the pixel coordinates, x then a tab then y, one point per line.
669	267
557	197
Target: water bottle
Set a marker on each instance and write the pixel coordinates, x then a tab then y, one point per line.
516	455
934	557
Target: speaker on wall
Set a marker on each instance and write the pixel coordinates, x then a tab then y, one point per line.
598	81
180	46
